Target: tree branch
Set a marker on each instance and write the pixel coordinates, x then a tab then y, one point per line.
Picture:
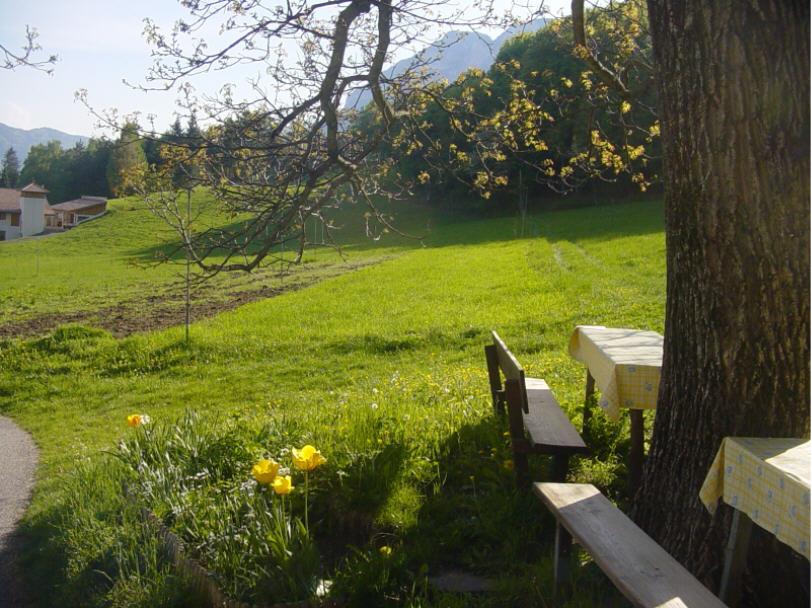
10	60
582	50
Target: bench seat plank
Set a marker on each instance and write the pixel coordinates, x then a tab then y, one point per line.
549	428
642	570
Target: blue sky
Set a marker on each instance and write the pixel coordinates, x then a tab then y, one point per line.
99	43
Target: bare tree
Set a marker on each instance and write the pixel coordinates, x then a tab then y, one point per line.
283	156
26	56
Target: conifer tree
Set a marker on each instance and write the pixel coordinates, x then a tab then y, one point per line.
10	171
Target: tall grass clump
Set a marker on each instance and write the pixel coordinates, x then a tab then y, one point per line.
113	557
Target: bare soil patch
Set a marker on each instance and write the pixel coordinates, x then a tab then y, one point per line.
157	312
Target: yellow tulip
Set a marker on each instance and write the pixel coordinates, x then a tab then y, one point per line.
265	471
308	458
283	485
138	419
385	551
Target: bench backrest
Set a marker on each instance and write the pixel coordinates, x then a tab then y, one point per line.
499	357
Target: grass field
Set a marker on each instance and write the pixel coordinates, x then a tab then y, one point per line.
388	355
109	266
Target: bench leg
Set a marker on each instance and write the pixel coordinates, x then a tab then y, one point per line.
735	558
521	465
516	422
637	449
563	550
587	402
560	467
494	378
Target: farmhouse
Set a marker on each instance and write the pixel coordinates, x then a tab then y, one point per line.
26	212
71	213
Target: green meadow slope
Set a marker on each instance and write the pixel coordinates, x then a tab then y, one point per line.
106	272
401	338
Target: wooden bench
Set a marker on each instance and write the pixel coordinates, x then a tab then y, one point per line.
537	423
642	570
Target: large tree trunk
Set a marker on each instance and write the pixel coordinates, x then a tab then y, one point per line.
734	106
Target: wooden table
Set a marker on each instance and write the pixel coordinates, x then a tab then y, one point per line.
625	365
767	481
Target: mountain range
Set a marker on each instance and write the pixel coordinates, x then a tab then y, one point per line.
449	56
22	140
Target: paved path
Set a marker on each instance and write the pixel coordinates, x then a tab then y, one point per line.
18	460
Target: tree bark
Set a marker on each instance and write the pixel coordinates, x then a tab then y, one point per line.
733	80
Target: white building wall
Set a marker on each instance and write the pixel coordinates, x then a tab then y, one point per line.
33	215
12	232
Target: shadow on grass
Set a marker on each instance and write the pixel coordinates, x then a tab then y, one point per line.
575	222
480	523
602	222
97	567
411	340
374	344
354	505
440	230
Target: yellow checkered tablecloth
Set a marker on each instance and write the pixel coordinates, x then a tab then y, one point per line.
625	363
769	480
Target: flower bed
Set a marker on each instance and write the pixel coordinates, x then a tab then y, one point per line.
416	482
251	517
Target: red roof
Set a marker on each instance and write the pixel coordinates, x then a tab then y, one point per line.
34	188
80	203
9	200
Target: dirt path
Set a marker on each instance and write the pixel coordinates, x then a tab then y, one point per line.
18	460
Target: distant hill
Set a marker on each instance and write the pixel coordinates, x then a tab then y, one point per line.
22	140
449	56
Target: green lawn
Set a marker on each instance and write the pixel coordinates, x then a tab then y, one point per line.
388	355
